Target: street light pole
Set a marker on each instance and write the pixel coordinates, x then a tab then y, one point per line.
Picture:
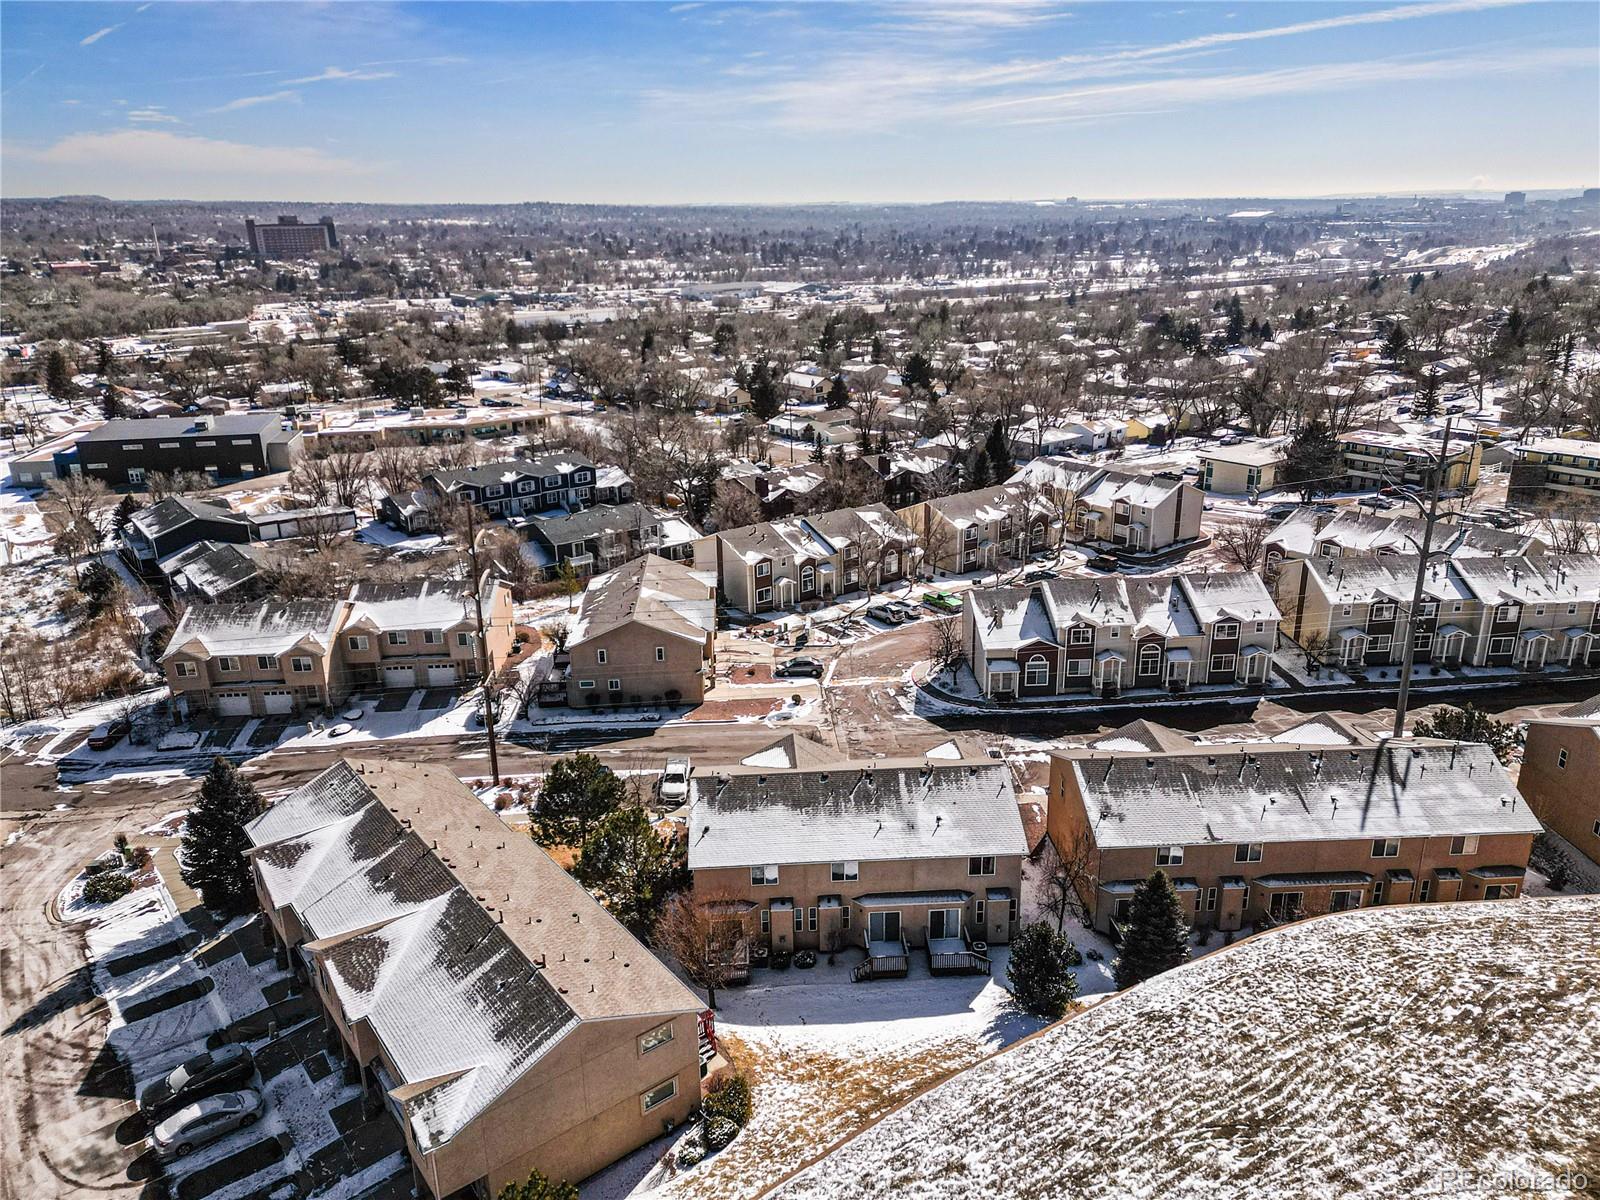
1432	516
485	659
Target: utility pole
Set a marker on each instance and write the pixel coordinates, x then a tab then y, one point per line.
485	662
1422	579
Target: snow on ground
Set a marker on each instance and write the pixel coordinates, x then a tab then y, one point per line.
1387	1052
827	1056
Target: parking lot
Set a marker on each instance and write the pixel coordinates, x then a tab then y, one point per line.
176	986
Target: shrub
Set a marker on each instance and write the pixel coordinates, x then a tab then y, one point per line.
805	958
1039	974
1093	954
730	1098
690	1153
780	960
106	887
719	1132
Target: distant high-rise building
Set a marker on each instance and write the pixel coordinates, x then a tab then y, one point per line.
1516	199
289	238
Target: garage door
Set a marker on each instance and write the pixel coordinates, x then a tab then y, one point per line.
399	677
233	706
277	702
441	676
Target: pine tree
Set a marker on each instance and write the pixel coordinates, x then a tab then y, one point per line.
1040	971
998	451
632	867
1312	461
816	447
838	393
979	474
917	373
1235	333
214	840
58	375
763	391
1470	724
538	1187
125	509
1156	938
577	794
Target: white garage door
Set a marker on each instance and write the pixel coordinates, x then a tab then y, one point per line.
399	677
277	702
233	706
441	676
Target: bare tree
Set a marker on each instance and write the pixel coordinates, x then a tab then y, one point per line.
945	645
704	932
77	514
1571	527
1070	876
1243	543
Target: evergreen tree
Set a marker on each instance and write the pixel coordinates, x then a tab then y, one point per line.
214	840
537	1187
577	794
1266	331
838	393
917	373
632	867
125	509
723	339
764	401
998	451
110	404
877	349
1312	461
1470	724
1235	333
1396	344
979	474
1155	939
105	362
1040	972
58	375
816	446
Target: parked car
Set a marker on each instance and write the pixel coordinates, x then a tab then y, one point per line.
903	610
203	1122
884	613
942	601
226	1066
505	710
1040	575
1103	562
1279	511
674	785
107	735
801	667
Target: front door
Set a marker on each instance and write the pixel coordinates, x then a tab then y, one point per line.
883	927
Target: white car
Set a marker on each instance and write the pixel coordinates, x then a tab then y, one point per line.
674	786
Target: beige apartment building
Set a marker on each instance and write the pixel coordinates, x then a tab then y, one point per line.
501	1015
644	632
1566	466
1241	470
1260	833
1120	510
883	856
986	530
1528	613
1317	533
1560	776
1373	460
270	657
1106	636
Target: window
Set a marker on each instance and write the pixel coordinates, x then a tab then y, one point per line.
1011	910
1507	612
763	570
186	670
1221	664
267	662
808	579
1078	666
1427	611
613	685
600	657
1344	611
661	654
1500	645
398	637
1500	891
1379	644
1150	660
844	872
811	920
463	639
1423	641
1425	892
764	876
1382	612
1377	891
844	917
1343	900
979	910
1037	671
585	684
659	1036
1467	844
1226	630
230	665
659	1094
764	595
1561	760
356	642
1261	626
1248	853
983	865
1080	635
1211	899
1386	848
432	637
300	664
1169	856
552	481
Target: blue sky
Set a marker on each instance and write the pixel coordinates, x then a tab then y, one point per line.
780	102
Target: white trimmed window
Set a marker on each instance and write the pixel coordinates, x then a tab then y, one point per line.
659	1095
1386	848
267	662
186	670
300	663
980	865
1081	635
661	654
1037	671
844	872
1221	664
463	639
227	665
357	642
763	570
1464	844
600	657
585	684
764	876
1169	856
657	1037
1561	759
398	637
613	685
1247	852
432	637
1226	630
763	595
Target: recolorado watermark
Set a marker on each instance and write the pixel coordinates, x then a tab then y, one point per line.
1455	1181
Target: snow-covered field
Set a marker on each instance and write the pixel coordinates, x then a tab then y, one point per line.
1391	1052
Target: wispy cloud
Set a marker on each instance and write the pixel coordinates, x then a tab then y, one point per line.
153	115
340	74
184	156
98	34
253	101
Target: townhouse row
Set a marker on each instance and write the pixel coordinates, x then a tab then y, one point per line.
272	657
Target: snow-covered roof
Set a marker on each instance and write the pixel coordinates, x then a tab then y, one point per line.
874	811
397	873
411	604
266	627
1260	792
656	592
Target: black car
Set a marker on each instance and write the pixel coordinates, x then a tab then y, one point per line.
801	666
1040	575
103	737
1103	562
226	1066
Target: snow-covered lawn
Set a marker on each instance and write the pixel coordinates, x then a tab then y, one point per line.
1386	1052
826	1057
